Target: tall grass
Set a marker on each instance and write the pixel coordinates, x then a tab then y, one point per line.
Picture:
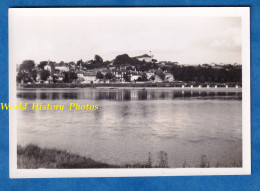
204	163
33	156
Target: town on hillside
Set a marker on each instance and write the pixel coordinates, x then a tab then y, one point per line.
124	69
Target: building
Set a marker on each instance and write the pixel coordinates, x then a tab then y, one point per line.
134	76
62	67
48	67
150	73
169	77
118	74
80	74
104	71
145	58
89	76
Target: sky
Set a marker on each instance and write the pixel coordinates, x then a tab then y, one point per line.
71	35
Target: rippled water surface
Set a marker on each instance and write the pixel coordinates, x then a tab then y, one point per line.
130	123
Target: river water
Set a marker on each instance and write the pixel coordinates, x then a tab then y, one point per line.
130	123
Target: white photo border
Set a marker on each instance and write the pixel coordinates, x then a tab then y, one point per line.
243	12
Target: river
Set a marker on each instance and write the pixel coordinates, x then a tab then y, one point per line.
130	123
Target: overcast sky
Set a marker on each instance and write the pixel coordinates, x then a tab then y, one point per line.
70	36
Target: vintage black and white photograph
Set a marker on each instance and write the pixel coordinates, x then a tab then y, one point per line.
129	91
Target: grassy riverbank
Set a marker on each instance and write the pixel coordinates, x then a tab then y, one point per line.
33	157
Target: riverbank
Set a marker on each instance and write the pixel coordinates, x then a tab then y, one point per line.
33	157
29	87
130	85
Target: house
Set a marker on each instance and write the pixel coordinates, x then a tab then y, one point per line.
150	73
118	74
72	65
62	67
80	74
124	71
88	62
144	57
89	76
169	77
48	67
56	73
134	76
104	71
111	67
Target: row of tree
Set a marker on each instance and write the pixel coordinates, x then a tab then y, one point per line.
225	73
28	73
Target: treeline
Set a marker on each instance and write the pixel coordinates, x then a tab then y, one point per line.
142	66
199	73
28	73
119	61
217	74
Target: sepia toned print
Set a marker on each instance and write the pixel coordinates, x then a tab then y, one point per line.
140	91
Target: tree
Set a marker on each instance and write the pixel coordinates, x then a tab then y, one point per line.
109	75
98	59
26	77
70	77
80	62
121	60
79	80
71	63
99	75
73	76
208	73
42	64
44	75
160	73
22	76
127	77
54	78
33	75
142	78
27	65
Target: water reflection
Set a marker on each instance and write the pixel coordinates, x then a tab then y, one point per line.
127	94
130	123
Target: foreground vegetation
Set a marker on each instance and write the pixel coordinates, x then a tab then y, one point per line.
33	157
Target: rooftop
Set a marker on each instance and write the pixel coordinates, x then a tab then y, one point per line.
143	56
